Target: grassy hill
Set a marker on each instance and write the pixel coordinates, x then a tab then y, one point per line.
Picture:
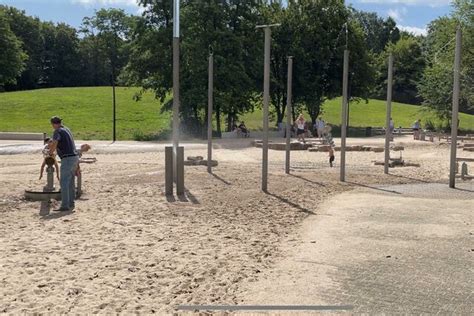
88	112
370	114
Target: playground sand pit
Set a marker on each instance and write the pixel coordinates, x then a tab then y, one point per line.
127	248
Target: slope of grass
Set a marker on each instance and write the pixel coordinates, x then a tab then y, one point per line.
368	114
88	112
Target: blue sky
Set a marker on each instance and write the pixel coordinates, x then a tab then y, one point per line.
411	15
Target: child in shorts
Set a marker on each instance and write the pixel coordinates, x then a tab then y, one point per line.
49	158
331	156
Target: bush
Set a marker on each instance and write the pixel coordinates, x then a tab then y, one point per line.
430	126
142	137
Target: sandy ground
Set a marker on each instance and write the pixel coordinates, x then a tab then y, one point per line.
402	249
128	248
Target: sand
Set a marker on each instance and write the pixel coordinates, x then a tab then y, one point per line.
128	248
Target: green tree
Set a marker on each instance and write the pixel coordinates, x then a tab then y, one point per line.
319	38
437	83
60	56
378	32
12	57
409	65
112	28
226	26
28	30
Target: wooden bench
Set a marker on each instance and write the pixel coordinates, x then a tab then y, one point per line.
464	159
22	136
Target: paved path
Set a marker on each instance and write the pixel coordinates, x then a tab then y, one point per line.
398	249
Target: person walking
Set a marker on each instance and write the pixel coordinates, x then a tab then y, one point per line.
416	129
63	144
322	126
300	125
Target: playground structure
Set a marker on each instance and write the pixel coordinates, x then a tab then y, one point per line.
49	190
174	160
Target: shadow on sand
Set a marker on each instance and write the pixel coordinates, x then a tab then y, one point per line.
292	204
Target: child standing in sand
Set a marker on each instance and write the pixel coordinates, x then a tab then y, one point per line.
331	156
49	158
300	131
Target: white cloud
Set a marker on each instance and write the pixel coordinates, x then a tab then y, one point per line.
431	3
397	14
107	2
414	30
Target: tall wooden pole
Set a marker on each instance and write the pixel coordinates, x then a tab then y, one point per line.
209	112
455	110
266	100
345	80
288	113
114	132
388	132
175	83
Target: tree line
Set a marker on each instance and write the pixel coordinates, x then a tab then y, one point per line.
112	46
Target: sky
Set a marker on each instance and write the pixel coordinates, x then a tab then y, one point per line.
410	15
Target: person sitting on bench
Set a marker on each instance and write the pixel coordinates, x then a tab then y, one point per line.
243	129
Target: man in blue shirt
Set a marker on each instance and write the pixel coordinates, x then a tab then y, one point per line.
63	143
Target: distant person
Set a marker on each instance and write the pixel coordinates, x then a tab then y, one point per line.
316	127
63	143
49	158
322	126
300	128
331	156
416	129
391	127
243	129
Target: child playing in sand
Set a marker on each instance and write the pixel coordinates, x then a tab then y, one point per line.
331	156
48	158
84	148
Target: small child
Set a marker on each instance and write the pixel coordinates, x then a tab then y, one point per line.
48	158
331	156
84	148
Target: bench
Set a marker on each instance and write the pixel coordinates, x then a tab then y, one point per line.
22	136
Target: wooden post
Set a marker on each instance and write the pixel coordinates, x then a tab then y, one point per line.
288	113
180	171
455	110
169	170
209	111
389	114
344	115
266	100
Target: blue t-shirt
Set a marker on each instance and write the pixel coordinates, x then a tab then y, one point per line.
66	146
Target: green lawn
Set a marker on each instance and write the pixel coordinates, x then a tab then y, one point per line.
88	112
368	114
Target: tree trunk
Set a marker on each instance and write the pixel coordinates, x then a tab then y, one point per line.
229	121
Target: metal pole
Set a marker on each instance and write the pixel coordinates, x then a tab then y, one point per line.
175	88
209	112
344	115
454	119
288	113
389	114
